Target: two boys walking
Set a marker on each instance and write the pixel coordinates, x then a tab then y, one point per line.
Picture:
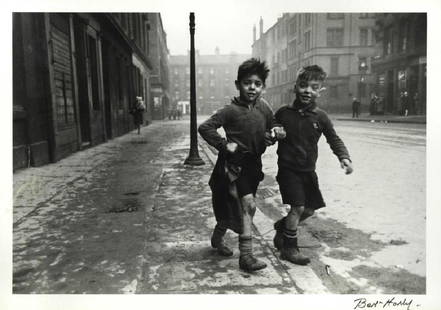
250	127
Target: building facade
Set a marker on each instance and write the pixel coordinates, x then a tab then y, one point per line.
215	76
159	79
343	44
75	79
400	66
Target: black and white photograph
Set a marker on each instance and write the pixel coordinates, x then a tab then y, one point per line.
215	150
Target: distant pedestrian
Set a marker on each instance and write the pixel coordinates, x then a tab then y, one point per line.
355	107
416	103
404	100
247	122
179	113
137	111
297	154
373	104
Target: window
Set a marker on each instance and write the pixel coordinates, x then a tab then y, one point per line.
362	64
211	71
307	19
285	55
333	91
292	73
334	66
403	36
381	79
363	36
402	79
284	76
292	49
334	37
292	28
387	42
307	40
335	15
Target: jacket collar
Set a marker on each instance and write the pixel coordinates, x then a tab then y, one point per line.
302	109
238	101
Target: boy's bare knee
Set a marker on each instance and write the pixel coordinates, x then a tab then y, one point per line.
296	210
248	204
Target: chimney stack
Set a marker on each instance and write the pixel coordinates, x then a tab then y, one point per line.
260	27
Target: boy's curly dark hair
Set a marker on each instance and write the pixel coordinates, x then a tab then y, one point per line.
312	72
253	66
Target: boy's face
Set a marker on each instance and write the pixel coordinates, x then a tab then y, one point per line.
307	91
250	87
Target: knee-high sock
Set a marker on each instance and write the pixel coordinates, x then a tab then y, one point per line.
245	245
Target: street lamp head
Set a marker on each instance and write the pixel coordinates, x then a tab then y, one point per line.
192	23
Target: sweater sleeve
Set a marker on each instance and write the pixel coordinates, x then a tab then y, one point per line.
270	117
208	129
334	141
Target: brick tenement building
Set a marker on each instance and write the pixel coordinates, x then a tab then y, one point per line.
401	64
215	76
75	78
342	43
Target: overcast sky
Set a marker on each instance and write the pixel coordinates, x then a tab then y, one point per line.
230	28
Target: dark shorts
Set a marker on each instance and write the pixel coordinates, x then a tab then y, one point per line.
249	179
300	189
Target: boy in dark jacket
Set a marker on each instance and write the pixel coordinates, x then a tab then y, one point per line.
304	123
247	122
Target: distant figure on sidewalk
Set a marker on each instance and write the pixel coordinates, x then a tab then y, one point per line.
297	154
416	104
248	123
137	112
373	104
404	100
355	107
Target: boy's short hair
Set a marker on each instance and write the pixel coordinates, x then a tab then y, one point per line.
253	66
312	72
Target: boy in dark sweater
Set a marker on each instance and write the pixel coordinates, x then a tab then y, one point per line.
247	122
304	123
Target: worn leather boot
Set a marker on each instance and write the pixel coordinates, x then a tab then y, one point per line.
291	252
247	261
217	241
278	237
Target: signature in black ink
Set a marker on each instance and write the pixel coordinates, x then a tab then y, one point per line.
363	303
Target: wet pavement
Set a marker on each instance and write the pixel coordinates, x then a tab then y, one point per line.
128	216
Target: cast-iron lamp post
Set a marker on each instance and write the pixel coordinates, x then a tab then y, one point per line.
193	157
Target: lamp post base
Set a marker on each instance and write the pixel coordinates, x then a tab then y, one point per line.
194	161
